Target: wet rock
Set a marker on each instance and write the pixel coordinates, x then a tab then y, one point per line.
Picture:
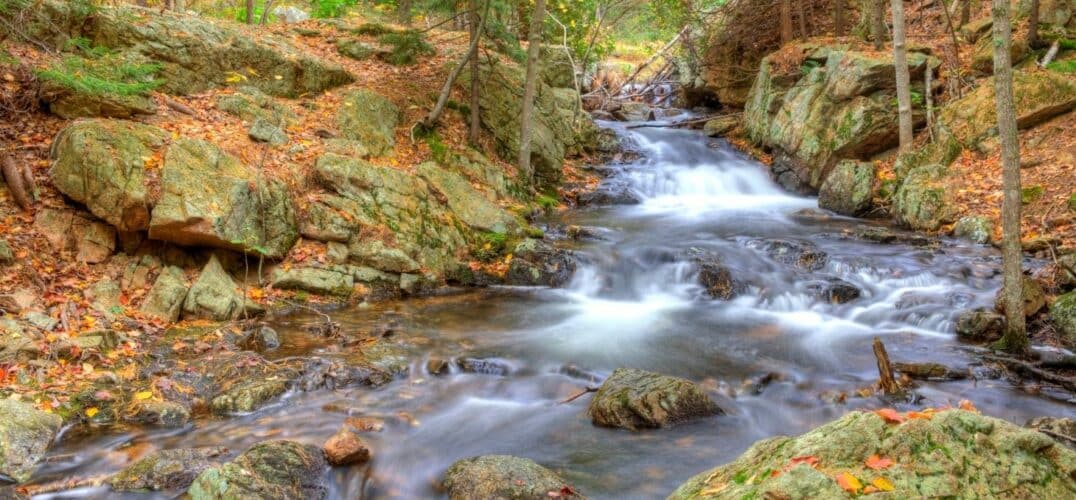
314	280
101	164
502	476
540	263
1033	294
371	119
848	189
922	201
261	338
636	399
1063	315
160	413
929	371
268	470
721	125
216	296
974	228
611	192
485	366
346	447
470	205
607	140
885	236
167	470
980	325
25	435
634	112
836	291
949	455
248	394
165	298
801	254
437	366
717	279
1062	429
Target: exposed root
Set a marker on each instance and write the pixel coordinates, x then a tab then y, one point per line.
20	182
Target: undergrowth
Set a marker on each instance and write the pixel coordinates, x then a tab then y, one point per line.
99	71
407	46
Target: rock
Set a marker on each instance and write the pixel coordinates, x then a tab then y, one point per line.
290	14
160	413
346	447
836	291
252	105
929	371
634	112
371	119
375	254
70	103
268	470
502	476
607	141
612	191
263	130
720	126
1060	428
167	470
974	228
41	320
922	200
980	325
101	164
7	257
354	49
25	435
470	205
717	279
248	395
314	280
165	298
237	211
955	453
539	263
836	105
635	399
801	254
1034	298
555	67
216	296
1065	272
104	296
982	57
261	338
1063	315
484	366
848	189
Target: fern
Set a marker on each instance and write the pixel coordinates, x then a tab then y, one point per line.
107	75
407	46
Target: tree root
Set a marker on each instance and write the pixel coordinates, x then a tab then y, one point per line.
1032	370
20	182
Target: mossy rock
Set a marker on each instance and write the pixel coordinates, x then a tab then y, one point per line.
314	280
166	470
25	435
354	49
216	296
974	228
982	58
637	399
922	201
370	119
1039	96
848	188
268	470
1063	315
1031	194
503	476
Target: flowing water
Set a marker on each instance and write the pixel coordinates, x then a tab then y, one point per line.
635	302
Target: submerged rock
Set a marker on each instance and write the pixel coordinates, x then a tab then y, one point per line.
929	371
268	470
503	476
836	291
25	436
955	453
167	469
801	254
346	447
540	263
636	399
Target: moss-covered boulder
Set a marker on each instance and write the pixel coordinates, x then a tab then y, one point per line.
237	211
503	476
540	263
25	435
354	49
469	204
637	399
102	164
371	119
167	470
165	298
215	295
314	280
947	454
1034	297
980	325
80	103
982	57
1063	315
556	69
268	470
974	228
251	104
848	189
836	104
922	201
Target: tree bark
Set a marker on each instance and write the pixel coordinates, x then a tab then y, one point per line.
179	5
965	12
476	113
877	23
446	91
403	12
900	62
786	22
886	382
250	11
19	183
838	18
1033	25
1015	339
802	19
534	39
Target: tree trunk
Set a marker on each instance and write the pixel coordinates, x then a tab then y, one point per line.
446	91
928	93
1015	339
403	12
476	114
786	22
1033	25
965	12
802	19
534	39
886	381
877	23
179	5
250	11
900	62
838	18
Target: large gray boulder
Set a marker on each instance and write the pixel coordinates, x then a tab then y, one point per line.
268	470
216	296
370	119
849	188
469	204
503	476
636	399
25	435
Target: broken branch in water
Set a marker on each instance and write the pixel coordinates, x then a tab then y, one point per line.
886	382
1030	369
579	394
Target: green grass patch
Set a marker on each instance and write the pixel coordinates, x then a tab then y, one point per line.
407	46
546	202
437	146
106	75
1072	202
1068	67
490	246
1030	194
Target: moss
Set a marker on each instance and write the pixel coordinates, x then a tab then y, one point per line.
1072	202
1031	194
407	46
106	75
372	29
546	202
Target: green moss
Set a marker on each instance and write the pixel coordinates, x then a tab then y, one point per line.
407	46
1067	67
490	246
372	29
546	202
103	74
1072	202
1031	194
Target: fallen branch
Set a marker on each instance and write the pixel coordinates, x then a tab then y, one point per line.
1050	54
180	107
19	181
64	485
648	62
674	124
886	382
1028	368
579	394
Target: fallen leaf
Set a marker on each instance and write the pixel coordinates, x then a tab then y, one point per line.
91	411
890	415
849	483
876	462
968	406
143	395
882	484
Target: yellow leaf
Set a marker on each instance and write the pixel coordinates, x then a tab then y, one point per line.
882	484
143	395
87	368
91	411
849	483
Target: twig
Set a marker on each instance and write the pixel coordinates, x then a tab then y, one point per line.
674	124
579	394
66	484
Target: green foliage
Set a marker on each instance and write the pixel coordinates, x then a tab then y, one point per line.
437	146
1068	67
809	65
331	8
102	72
1031	193
490	246
505	41
372	29
1072	202
407	46
546	202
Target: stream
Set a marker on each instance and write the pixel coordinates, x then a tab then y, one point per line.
634	302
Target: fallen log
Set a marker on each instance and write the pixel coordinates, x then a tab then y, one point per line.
19	181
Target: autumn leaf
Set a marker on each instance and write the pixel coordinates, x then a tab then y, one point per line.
143	395
91	411
849	483
923	415
807	459
882	484
876	462
968	406
890	415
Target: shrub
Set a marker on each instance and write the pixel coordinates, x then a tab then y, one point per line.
108	74
407	46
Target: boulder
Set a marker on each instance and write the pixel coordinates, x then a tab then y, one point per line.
267	131
502	476
836	105
25	435
237	211
848	189
540	263
354	49
71	103
314	280
800	254
371	119
376	254
717	279
261	338
611	191
636	399
165	413
166	470
1062	429
165	298
1063	315
216	296
251	104
90	240
102	164
346	447
1033	294
955	453
634	112
980	325
268	470
721	125
974	228
469	204
836	291
982	57
922	200
555	66
291	14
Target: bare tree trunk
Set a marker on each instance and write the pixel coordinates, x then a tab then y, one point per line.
900	62
786	21
476	113
802	19
838	18
886	381
877	23
1033	25
179	5
1015	339
403	12
265	12
534	39
250	11
19	182
928	93
472	53
965	12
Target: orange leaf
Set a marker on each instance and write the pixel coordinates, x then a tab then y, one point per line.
849	483
967	406
924	415
808	459
890	415
878	463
